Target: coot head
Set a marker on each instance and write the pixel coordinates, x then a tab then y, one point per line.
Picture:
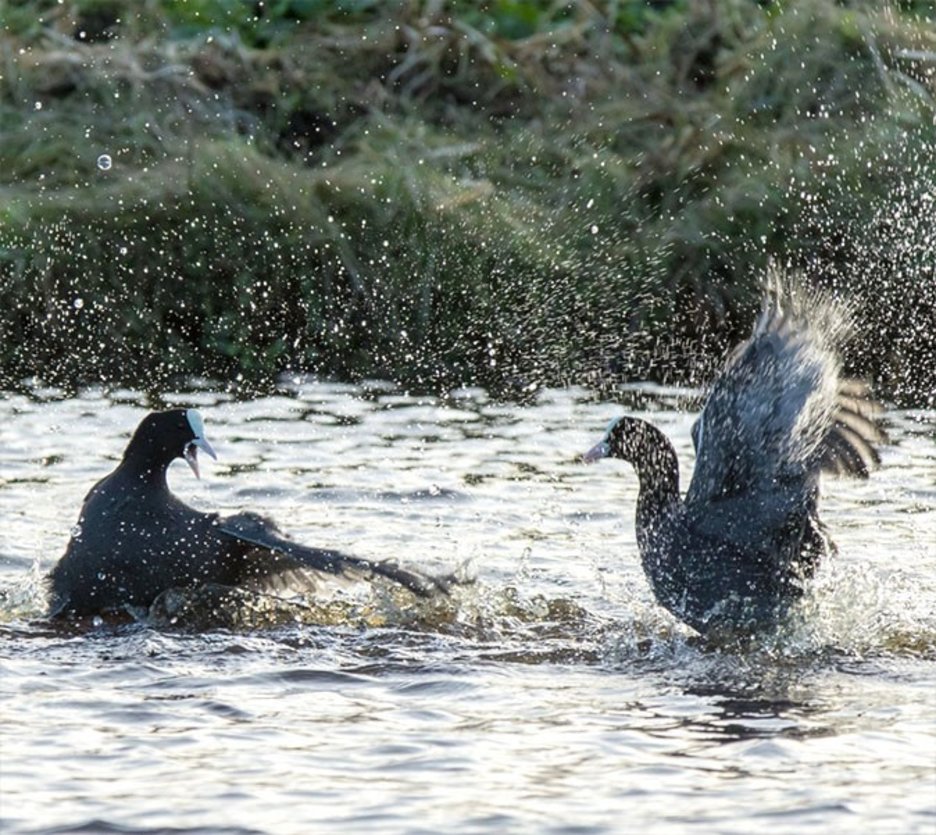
162	437
627	438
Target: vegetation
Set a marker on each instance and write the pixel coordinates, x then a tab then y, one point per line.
509	193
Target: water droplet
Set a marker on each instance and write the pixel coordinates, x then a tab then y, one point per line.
594	230
78	303
76	531
38	105
101	576
104	162
97	620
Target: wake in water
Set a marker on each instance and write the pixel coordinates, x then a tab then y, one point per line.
573	593
844	614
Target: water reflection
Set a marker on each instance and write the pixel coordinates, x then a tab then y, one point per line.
763	712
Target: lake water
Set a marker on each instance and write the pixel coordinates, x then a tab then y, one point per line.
552	695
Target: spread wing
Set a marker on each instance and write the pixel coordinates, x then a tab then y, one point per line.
279	562
765	416
779	411
848	448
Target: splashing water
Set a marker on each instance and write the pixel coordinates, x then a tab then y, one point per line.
554	670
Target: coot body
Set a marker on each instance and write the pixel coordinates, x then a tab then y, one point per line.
135	540
733	554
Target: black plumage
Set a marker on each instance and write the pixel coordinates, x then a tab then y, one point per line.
735	552
134	539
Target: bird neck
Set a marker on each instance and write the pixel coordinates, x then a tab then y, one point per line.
658	473
145	471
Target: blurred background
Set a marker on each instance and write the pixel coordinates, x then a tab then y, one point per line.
507	194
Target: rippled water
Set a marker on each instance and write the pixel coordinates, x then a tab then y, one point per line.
552	695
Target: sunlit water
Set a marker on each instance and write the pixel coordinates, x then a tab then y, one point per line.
553	695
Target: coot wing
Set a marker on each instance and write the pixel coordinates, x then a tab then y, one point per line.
766	414
850	446
277	560
752	525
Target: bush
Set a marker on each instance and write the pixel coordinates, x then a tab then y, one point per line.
518	194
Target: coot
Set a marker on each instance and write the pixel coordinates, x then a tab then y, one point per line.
135	540
734	553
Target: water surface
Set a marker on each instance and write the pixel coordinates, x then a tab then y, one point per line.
553	695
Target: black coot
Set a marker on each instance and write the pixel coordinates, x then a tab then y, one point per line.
733	554
135	539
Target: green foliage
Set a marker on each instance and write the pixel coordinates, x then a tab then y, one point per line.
256	24
514	193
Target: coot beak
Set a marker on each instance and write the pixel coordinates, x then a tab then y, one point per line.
597	452
191	453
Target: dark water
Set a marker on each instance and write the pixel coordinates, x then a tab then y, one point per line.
551	696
